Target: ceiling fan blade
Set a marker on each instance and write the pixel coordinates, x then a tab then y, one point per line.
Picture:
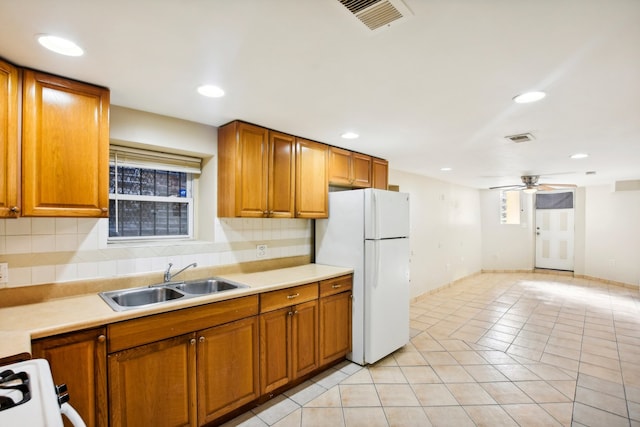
560	185
551	187
514	187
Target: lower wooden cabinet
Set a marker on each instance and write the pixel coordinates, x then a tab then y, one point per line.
227	368
193	366
79	359
154	384
288	344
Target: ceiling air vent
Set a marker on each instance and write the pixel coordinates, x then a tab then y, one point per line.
377	14
521	137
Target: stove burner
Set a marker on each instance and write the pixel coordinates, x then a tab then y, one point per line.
14	389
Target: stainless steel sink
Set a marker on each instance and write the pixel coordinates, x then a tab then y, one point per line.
206	286
128	299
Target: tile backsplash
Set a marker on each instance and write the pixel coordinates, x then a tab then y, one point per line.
55	250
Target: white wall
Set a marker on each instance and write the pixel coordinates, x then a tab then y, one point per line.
607	235
445	230
506	246
612	239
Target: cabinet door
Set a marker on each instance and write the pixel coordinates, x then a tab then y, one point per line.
340	167
304	339
251	172
227	368
380	174
65	147
274	349
79	360
9	171
361	170
281	175
312	179
335	327
154	384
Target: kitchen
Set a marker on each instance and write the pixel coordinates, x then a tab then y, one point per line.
451	241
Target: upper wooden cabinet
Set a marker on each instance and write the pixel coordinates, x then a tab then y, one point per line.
255	172
9	137
312	179
65	147
349	169
380	173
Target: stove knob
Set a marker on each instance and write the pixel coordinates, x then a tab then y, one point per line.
63	394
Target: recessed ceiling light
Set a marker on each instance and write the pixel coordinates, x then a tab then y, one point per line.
211	91
527	97
579	156
446	169
350	135
60	45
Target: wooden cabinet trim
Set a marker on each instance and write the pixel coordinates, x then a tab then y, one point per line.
336	285
9	140
274	300
133	333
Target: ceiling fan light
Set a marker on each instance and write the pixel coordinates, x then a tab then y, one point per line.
527	97
579	156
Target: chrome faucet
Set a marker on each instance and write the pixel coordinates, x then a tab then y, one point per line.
168	276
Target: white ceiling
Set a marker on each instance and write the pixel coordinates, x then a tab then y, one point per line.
433	91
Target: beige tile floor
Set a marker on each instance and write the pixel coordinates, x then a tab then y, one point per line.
492	350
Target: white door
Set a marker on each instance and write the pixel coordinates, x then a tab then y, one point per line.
386	297
554	239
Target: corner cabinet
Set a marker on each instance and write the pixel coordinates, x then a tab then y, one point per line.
65	147
9	140
79	360
255	172
312	179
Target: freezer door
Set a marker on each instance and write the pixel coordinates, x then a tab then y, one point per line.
386	214
386	293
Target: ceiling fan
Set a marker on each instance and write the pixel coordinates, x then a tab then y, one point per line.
530	185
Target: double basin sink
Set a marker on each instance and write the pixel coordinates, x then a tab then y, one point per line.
128	299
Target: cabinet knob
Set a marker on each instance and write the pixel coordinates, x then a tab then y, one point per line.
290	313
14	209
293	296
192	341
201	339
102	338
104	209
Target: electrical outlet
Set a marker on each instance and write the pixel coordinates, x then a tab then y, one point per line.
4	272
261	251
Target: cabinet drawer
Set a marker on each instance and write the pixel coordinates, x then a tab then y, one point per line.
336	285
274	300
132	333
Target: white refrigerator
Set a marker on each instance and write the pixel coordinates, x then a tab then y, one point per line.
368	230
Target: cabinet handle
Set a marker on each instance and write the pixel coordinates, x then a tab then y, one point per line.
290	313
192	341
15	209
104	209
336	286
293	296
102	338
201	339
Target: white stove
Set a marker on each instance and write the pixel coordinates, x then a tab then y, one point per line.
29	398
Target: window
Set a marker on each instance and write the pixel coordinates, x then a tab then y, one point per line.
150	194
554	200
510	207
